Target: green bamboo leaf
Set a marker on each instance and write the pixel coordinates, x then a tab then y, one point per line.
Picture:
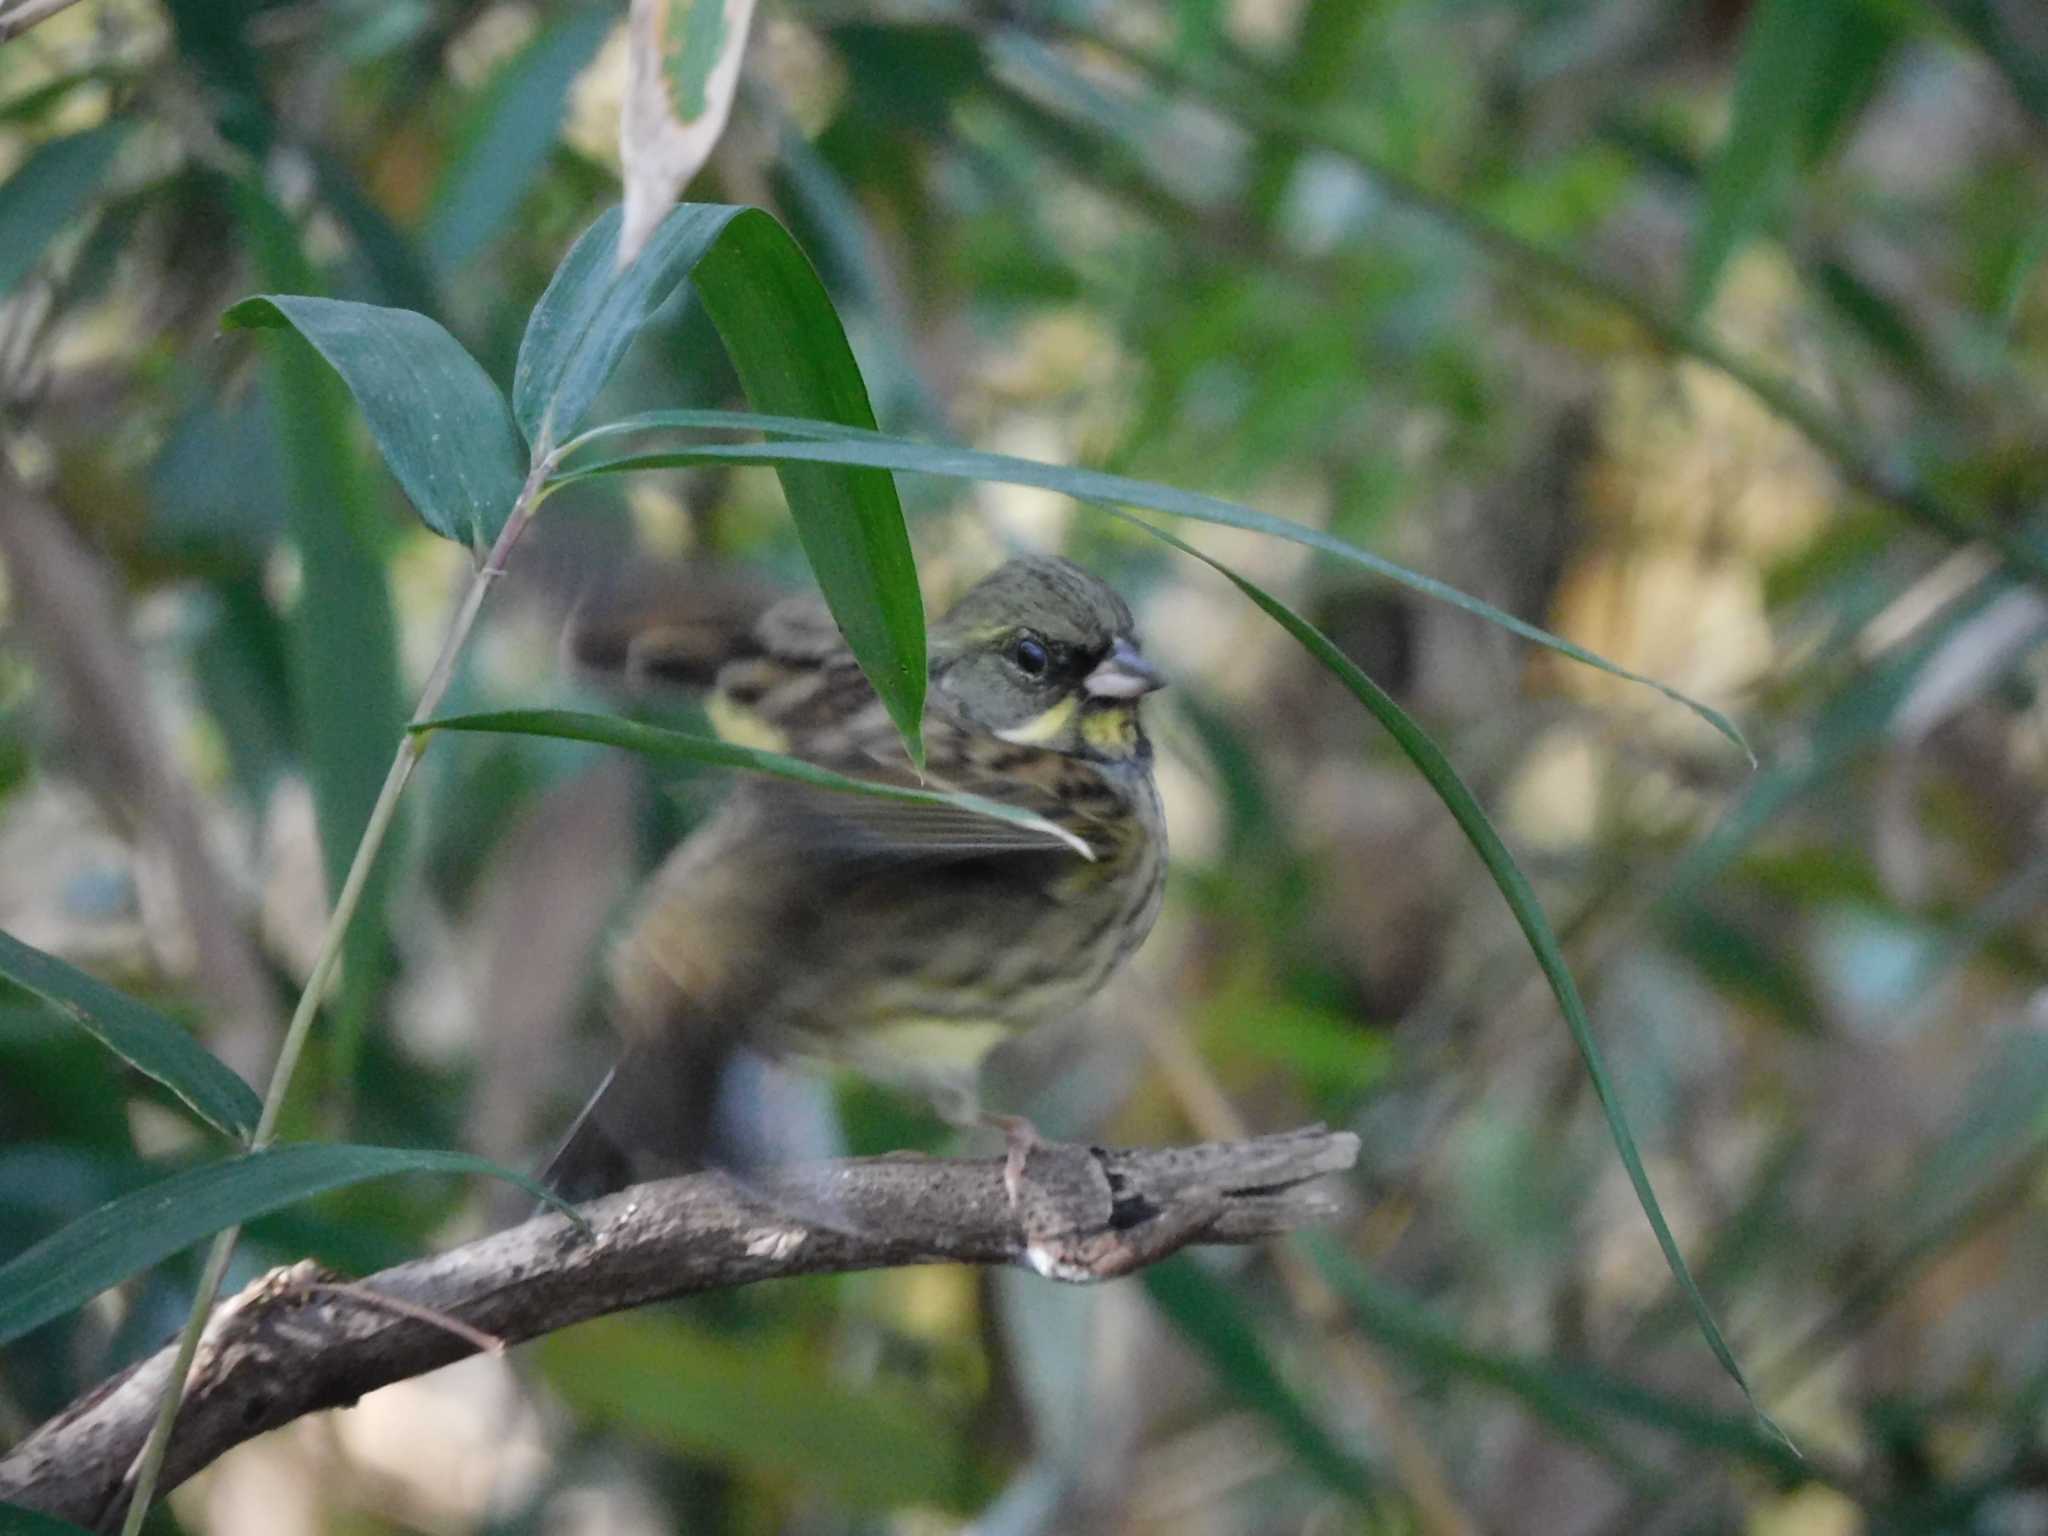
791	354
1881	322
834	445
1435	767
505	138
1839	727
47	191
16	1521
35	103
342	654
438	419
1781	82
394	265
1218	1323
1997	32
1858	50
1572	1399
140	1036
137	1230
611	731
760	1404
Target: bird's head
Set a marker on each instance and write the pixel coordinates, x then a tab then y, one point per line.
1043	654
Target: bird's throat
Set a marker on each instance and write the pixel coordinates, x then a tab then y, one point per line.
1112	731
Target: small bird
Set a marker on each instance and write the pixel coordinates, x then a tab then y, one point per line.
903	941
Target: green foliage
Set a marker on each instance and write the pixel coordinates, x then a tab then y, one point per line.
146	1227
1806	66
1379	302
16	1521
506	138
1520	895
567	725
47	192
342	634
143	1038
785	340
439	422
759	1405
877	450
1220	1325
1579	1403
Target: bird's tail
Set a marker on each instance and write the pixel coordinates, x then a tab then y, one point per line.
589	1162
684	1104
652	1117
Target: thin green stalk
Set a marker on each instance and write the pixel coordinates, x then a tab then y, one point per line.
411	745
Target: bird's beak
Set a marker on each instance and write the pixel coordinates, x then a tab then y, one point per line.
1122	674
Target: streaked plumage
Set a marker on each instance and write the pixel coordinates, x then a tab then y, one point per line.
899	940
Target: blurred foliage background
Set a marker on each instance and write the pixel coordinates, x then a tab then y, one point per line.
1711	334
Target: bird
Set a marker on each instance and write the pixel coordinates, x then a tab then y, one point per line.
902	941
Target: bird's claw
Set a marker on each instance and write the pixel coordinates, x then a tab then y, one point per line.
1020	1140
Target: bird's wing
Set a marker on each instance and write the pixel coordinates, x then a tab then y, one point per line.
810	700
796	689
866	746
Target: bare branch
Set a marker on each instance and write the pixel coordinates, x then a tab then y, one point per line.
294	1342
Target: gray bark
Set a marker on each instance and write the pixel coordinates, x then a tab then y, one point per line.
296	1342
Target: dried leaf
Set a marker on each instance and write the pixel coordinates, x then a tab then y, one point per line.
684	63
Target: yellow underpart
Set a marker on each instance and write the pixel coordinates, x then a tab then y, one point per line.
1111	731
924	1046
744	727
1040	729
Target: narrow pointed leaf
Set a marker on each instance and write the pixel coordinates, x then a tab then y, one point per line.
1212	1318
130	1234
827	444
341	656
47	191
139	1035
1429	759
610	730
16	1521
1574	1399
762	1404
791	354
1785	57
439	421
506	136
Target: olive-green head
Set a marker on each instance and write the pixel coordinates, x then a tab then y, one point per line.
1044	654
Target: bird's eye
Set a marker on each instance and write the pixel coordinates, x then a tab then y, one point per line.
1030	655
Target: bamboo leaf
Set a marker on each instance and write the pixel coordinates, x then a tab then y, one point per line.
140	1036
758	1404
342	655
438	419
16	1521
47	191
137	1230
1212	1318
791	354
1791	91
1514	887
831	445
609	730
506	137
1574	1400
